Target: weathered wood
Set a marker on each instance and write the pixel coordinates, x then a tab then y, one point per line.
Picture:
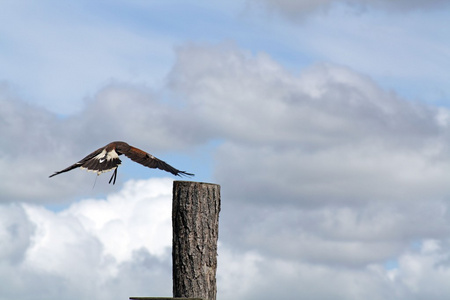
195	224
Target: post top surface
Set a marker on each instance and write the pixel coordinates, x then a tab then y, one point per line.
194	182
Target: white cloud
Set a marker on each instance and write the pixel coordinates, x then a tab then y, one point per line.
325	177
123	226
72	254
113	247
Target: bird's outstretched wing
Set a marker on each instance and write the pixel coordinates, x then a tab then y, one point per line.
107	158
150	161
99	161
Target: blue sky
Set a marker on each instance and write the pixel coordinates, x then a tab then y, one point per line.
135	42
326	123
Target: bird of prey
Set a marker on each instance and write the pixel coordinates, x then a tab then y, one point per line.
107	158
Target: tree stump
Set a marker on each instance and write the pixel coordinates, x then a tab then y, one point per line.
195	225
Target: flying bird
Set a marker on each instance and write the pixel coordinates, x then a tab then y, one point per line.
107	158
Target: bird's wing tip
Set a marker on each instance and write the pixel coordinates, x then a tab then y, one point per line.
183	173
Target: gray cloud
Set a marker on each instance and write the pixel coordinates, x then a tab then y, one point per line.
325	177
35	142
329	134
298	9
415	277
325	166
29	136
15	233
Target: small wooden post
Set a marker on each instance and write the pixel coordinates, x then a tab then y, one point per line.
195	224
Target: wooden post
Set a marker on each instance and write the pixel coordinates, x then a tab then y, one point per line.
195	225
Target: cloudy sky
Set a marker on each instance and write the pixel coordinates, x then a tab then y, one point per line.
326	123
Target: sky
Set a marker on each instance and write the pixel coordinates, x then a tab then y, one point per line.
326	124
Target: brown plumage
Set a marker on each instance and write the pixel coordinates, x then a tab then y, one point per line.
107	158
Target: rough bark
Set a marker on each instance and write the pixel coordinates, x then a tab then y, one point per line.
195	223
